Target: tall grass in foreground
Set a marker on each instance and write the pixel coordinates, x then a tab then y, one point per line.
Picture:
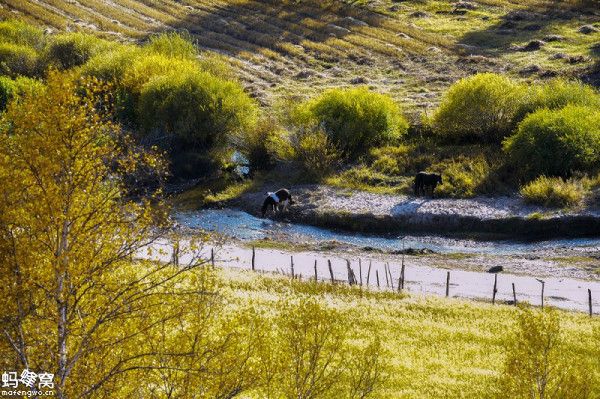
440	348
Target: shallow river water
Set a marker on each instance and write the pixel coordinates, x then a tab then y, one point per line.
241	225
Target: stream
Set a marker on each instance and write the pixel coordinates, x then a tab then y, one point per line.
243	226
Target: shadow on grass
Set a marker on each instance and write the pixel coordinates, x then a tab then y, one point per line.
279	26
525	25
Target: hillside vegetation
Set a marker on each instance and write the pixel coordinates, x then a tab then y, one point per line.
412	49
353	94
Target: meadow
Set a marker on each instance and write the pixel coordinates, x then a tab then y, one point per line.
101	104
432	347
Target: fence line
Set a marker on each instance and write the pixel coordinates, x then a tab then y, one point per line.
353	280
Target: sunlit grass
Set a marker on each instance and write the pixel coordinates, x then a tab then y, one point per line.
436	348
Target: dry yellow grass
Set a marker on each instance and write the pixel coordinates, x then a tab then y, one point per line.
397	50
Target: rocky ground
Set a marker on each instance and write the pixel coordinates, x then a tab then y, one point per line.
377	213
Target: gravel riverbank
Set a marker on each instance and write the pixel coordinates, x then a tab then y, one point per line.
377	213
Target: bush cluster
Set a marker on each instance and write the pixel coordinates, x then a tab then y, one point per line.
479	108
355	119
556	143
553	192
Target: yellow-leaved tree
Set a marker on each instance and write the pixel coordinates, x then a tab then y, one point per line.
540	364
72	301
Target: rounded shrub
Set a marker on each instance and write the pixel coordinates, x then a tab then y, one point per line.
68	50
480	108
355	119
13	88
553	192
112	64
173	45
150	66
556	142
196	107
556	94
16	59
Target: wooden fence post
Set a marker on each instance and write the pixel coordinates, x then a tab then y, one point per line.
391	278
387	281
175	257
360	271
350	282
369	273
212	257
253	258
377	275
330	271
448	284
316	275
402	275
590	301
292	265
495	288
543	286
514	294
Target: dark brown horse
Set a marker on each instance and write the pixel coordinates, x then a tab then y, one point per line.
429	180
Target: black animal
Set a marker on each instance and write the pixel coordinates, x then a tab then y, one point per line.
277	201
424	179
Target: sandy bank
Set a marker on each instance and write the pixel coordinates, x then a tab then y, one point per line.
396	214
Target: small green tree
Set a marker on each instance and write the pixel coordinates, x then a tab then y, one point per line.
538	364
314	356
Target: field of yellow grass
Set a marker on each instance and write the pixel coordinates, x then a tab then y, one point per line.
434	347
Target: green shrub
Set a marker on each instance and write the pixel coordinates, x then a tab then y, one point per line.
257	143
317	155
68	50
556	143
391	160
21	33
462	177
480	107
149	66
16	59
216	64
556	94
173	45
553	192
13	88
112	64
198	108
355	119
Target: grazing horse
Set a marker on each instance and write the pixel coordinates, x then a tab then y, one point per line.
277	201
423	179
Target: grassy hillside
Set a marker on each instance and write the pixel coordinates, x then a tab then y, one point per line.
412	50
